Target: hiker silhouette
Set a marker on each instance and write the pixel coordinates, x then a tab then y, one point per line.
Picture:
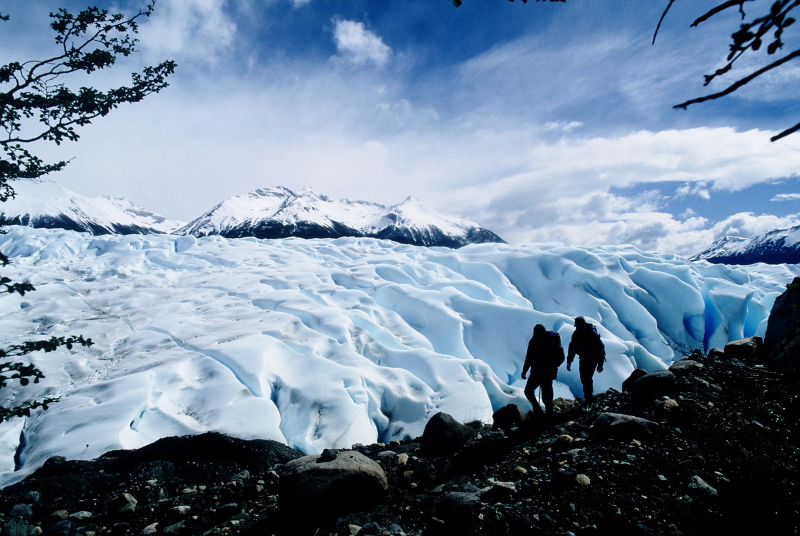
586	343
545	354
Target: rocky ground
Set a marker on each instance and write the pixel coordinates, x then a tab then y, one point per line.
710	448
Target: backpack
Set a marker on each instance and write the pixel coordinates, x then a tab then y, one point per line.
596	344
557	350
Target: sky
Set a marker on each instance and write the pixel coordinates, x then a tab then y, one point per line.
543	121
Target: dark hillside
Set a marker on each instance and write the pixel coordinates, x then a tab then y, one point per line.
717	455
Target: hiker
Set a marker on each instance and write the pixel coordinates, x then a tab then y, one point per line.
587	345
545	354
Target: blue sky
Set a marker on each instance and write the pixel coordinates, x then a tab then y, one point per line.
541	121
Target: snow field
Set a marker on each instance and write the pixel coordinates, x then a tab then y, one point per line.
327	343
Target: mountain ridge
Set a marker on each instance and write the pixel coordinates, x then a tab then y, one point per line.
779	246
279	212
265	213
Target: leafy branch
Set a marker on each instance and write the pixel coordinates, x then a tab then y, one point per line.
750	36
34	107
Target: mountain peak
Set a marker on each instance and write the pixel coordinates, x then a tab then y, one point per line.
43	203
779	246
310	215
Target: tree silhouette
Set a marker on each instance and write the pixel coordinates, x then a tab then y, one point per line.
35	105
751	35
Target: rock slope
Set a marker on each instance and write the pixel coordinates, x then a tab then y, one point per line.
779	246
709	447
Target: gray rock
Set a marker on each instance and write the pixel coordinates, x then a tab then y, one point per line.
370	529
507	417
444	435
351	482
748	349
665	408
150	529
175	528
19	527
32	497
632	377
499	492
458	509
716	353
702	487
83	515
62	528
653	385
683	367
782	339
123	504
327	455
25	511
562	443
227	511
624	427
394	529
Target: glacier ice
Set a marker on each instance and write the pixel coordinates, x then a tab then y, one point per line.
327	343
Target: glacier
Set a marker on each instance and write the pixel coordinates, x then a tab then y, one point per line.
330	342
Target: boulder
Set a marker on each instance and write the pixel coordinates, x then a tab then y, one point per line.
62	528
748	349
682	367
19	527
459	509
349	482
623	427
635	375
666	408
507	417
444	435
653	385
499	492
782	339
716	353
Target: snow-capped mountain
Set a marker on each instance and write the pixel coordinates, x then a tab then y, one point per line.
323	344
279	212
44	204
780	246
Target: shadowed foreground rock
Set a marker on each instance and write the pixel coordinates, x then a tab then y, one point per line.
334	483
782	340
444	435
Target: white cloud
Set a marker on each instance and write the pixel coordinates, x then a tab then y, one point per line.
747	224
698	189
358	45
786	197
563	126
188	29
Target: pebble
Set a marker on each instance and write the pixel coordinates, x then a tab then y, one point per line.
83	515
150	529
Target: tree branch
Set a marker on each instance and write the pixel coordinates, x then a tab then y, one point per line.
721	7
786	132
661	20
736	85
